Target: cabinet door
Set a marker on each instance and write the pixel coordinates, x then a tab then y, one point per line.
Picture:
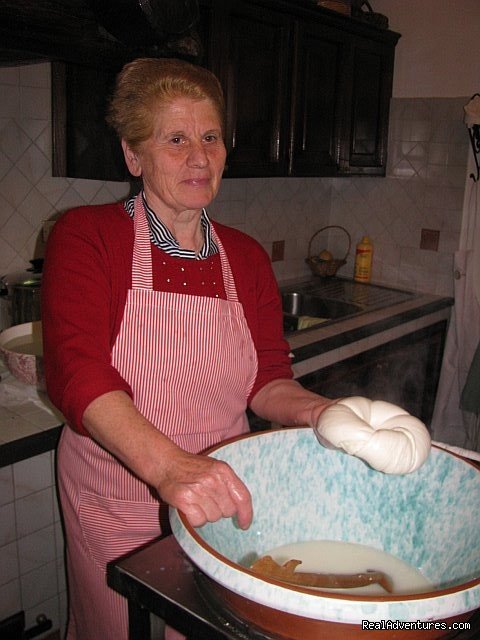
254	77
318	87
364	148
83	145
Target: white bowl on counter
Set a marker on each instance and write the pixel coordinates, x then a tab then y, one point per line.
21	349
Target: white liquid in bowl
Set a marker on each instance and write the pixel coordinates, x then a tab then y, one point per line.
329	556
25	344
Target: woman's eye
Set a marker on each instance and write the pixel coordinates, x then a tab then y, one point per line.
211	137
177	140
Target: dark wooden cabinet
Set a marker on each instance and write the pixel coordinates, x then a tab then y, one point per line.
254	69
307	94
83	145
404	371
317	104
367	97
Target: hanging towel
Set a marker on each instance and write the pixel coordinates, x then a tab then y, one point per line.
470	399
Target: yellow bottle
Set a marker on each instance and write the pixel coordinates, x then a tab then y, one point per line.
363	260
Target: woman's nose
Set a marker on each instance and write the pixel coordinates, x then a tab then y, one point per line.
198	156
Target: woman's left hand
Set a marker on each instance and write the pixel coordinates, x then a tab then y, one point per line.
205	490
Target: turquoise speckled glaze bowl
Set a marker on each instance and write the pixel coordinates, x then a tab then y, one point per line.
302	491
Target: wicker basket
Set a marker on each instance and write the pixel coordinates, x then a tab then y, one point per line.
326	268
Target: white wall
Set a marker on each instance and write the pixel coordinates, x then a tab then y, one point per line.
438	54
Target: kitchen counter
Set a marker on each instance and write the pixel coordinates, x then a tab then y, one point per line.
29	424
331	342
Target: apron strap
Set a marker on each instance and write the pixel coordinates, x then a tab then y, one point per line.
142	256
228	281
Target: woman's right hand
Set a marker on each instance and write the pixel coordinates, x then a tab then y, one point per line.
205	490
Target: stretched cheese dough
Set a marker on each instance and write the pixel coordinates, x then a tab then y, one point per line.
387	437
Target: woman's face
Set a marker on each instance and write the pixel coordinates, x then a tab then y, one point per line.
182	163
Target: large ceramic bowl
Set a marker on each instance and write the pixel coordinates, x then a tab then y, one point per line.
301	491
21	349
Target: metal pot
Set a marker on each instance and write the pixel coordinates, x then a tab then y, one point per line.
20	296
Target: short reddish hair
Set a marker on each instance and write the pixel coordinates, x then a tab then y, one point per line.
146	84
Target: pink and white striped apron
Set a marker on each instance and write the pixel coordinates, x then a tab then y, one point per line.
191	364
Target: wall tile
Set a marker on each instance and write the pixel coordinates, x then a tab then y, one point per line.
10	102
14	187
35	102
5	163
6	485
39	585
53	189
10	598
230	213
61	577
63	605
59	541
34	512
13	140
36	549
35	209
10	75
34	75
8	563
8	531
32	475
33	164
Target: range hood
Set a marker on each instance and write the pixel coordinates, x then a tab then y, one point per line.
98	32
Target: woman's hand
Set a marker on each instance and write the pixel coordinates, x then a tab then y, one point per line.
205	490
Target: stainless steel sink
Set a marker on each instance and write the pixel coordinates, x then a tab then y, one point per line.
316	301
302	304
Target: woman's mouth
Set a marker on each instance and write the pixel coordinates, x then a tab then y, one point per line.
197	182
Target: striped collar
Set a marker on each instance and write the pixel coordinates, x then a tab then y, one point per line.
162	238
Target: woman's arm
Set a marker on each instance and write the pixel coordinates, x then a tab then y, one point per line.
287	403
85	279
203	488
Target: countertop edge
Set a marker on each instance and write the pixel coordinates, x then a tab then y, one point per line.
29	446
371	323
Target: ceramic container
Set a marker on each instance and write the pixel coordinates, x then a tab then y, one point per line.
21	351
302	491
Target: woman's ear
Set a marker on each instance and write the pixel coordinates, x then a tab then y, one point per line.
132	160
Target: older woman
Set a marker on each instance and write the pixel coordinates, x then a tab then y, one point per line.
160	328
